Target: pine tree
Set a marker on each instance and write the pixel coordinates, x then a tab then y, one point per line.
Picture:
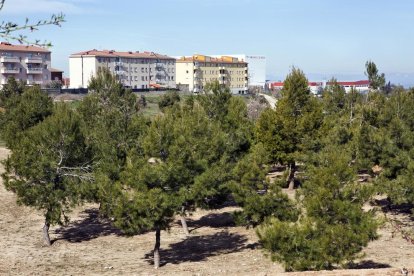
377	81
177	150
333	228
112	126
168	99
50	166
252	191
24	108
293	126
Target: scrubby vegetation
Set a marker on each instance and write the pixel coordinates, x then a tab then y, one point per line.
146	168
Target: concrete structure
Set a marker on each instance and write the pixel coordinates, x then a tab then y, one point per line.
198	70
56	74
257	69
316	88
29	64
135	70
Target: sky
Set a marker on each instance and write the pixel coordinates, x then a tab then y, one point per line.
324	38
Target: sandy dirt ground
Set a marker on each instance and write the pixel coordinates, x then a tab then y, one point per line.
91	246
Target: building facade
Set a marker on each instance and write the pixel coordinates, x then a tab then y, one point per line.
138	70
29	64
196	71
257	69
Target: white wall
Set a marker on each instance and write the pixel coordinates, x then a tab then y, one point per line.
257	70
182	76
81	70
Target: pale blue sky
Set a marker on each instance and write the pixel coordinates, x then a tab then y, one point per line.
322	37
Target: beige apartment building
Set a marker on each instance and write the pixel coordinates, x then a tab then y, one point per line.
196	71
138	70
29	64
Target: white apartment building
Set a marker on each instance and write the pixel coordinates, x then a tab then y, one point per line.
257	68
29	64
198	70
138	70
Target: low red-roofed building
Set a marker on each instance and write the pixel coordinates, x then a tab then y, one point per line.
316	88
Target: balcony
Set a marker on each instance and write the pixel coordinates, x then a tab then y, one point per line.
34	82
10	70
35	70
119	72
159	67
34	59
10	59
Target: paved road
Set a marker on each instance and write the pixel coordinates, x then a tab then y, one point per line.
272	101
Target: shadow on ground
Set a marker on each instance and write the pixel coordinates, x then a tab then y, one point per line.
212	220
387	207
368	264
90	227
199	248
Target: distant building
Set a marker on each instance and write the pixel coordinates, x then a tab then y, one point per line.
139	70
56	75
196	71
316	88
29	64
257	69
361	86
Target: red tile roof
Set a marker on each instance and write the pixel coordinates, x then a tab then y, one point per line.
315	83
4	46
111	53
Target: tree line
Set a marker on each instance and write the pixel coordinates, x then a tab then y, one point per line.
204	150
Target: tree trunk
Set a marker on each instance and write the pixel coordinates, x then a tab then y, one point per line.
157	248
184	222
291	176
46	236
